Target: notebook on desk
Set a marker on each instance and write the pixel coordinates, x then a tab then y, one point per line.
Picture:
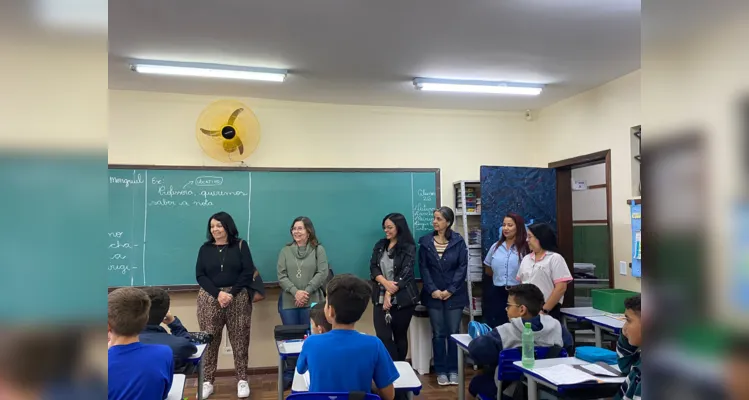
564	374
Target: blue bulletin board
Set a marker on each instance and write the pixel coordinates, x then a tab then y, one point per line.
636	215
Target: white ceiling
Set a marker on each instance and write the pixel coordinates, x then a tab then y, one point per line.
367	51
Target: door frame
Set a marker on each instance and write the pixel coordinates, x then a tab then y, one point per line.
564	212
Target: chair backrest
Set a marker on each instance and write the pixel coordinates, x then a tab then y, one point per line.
506	372
333	396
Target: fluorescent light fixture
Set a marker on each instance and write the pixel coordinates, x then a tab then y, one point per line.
209	71
444	85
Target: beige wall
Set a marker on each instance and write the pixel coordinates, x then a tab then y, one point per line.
597	120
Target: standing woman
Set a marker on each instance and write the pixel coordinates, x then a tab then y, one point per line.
443	259
224	271
501	265
545	268
302	271
394	291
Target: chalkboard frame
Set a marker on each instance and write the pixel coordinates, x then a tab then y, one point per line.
196	287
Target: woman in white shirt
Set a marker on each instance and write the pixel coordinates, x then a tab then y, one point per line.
545	268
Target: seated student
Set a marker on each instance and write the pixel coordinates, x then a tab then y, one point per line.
628	350
179	341
318	323
344	360
524	304
136	370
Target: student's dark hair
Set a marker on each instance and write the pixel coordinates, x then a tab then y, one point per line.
349	297
528	295
232	234
317	314
127	311
633	303
546	236
160	303
403	234
310	230
521	237
448	214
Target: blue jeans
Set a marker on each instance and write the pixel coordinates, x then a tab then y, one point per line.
445	322
293	316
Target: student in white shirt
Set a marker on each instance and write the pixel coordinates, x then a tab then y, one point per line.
545	268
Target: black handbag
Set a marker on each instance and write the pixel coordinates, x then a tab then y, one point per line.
201	337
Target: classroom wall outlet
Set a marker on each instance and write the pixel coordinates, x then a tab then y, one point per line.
623	267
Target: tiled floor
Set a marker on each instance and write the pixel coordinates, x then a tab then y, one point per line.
264	387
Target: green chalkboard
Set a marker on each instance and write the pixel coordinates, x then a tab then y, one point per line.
158	215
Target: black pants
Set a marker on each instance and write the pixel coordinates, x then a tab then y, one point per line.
395	334
556	313
494	303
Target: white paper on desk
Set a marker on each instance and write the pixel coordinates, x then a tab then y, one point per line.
564	374
596	369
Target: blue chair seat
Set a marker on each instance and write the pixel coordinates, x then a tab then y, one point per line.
328	396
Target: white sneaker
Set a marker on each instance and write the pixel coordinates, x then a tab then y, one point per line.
207	389
243	389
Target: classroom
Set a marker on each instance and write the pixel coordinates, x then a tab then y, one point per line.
348	110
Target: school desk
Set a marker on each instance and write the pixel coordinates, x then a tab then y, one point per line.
178	387
604	322
197	359
408	381
462	340
579	313
534	379
286	349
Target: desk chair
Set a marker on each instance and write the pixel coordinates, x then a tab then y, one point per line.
506	372
196	364
333	396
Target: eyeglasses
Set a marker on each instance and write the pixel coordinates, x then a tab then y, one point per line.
511	305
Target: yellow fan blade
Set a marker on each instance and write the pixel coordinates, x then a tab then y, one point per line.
214	118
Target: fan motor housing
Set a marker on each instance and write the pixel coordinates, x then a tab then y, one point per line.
228	132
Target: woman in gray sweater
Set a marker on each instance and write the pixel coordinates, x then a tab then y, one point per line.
302	271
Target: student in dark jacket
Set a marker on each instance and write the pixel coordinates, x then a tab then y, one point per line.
394	291
443	259
179	340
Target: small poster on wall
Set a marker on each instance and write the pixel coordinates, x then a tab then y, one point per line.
636	214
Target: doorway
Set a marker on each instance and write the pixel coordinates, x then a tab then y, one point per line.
581	214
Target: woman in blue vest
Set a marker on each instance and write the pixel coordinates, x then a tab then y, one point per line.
501	268
443	259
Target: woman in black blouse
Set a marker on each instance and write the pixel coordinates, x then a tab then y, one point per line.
224	272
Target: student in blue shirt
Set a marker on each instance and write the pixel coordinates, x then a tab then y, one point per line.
501	266
136	370
344	360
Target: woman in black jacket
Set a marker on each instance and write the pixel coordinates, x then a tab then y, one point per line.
394	291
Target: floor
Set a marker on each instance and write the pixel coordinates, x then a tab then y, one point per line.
264	387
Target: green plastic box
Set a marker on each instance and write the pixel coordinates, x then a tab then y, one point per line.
611	300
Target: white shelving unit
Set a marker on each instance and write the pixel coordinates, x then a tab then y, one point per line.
468	213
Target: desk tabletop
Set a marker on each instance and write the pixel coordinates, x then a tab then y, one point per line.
581	312
199	353
462	339
550	362
407	380
606	321
289	347
178	387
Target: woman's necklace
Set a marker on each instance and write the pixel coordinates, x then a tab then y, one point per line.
298	267
222	255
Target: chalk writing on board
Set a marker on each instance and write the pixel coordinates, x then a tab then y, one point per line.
426	195
119	258
137	180
163	191
209	181
423	216
221	193
162	202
